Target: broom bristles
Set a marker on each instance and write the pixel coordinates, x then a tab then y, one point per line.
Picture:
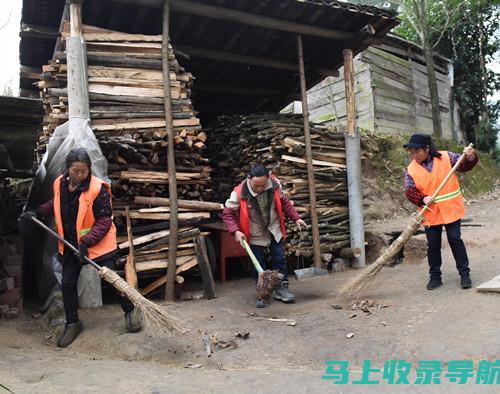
363	278
157	321
268	282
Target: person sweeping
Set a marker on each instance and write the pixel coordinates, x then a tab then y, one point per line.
83	215
423	176
256	212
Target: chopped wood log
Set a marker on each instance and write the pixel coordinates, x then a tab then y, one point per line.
194	205
130	272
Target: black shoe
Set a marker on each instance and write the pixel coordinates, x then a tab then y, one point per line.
133	321
465	282
434	283
71	332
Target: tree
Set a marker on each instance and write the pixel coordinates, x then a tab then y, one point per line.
421	20
471	43
7	90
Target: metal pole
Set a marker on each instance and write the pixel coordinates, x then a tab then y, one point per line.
353	160
172	181
310	169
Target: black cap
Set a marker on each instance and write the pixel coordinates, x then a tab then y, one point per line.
418	141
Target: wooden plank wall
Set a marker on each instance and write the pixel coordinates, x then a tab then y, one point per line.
392	96
327	99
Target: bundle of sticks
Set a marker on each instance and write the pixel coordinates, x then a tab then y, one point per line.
277	141
125	83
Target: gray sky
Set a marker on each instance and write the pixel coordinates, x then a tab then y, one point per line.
10	19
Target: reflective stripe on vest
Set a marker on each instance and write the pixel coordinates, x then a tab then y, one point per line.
448	196
448	206
245	214
85	218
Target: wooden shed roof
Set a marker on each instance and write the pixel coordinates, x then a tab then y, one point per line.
242	52
20	121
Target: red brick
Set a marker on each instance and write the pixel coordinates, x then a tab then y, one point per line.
18	281
12	296
12	313
14	270
6	249
7	284
14	259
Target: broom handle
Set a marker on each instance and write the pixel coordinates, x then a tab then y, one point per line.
252	256
446	179
54	234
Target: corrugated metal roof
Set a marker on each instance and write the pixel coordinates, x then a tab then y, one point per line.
189	30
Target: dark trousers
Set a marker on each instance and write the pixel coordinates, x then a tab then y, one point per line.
71	270
277	258
457	246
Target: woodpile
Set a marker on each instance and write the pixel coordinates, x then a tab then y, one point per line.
125	83
277	141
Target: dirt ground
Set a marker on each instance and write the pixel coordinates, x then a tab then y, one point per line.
407	322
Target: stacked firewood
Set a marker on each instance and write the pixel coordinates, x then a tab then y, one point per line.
277	141
125	82
55	101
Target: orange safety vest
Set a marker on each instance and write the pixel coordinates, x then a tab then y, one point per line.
245	215
448	206
85	219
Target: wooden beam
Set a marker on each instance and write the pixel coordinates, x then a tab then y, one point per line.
309	160
245	59
75	17
172	181
235	90
205	269
349	92
30	72
245	18
130	272
38	31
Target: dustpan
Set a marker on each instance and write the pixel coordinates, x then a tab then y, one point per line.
309	273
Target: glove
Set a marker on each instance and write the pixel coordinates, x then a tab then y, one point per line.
83	251
26	216
24	224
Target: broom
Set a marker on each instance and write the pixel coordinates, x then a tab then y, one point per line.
268	281
156	320
359	281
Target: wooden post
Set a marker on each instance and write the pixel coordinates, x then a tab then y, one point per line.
310	168
130	272
75	17
349	92
353	161
204	264
172	181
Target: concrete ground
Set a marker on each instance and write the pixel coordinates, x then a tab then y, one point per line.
406	322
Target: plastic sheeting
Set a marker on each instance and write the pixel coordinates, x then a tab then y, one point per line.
42	259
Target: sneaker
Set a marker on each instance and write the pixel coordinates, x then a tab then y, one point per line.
260	303
71	332
465	282
283	294
434	283
133	320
